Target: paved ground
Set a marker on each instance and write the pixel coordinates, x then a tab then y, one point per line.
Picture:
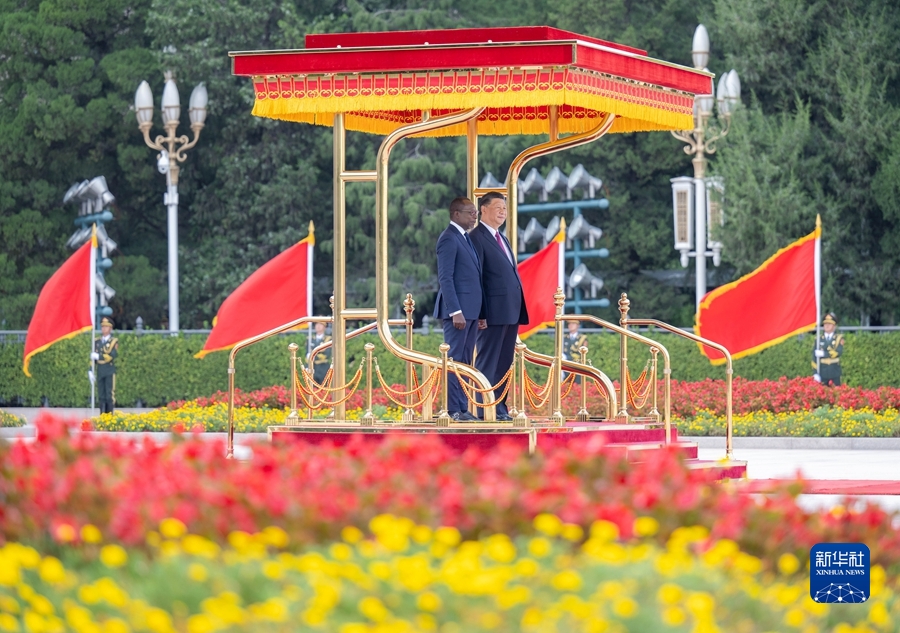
819	464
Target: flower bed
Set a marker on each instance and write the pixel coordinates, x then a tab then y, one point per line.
125	488
9	420
821	422
407	577
777	396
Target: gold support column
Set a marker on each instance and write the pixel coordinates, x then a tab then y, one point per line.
471	158
559	299
293	417
368	418
622	415
338	329
444	415
583	415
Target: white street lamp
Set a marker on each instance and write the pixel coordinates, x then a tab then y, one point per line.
172	150
695	198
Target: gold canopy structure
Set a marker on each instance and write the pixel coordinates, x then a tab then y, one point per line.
523	80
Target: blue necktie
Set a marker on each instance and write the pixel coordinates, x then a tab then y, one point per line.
472	246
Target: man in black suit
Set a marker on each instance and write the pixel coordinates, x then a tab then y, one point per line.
505	301
460	300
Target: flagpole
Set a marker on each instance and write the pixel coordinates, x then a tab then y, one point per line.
818	275
309	286
93	316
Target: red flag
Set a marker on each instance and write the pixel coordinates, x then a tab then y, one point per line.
541	275
279	292
65	306
774	302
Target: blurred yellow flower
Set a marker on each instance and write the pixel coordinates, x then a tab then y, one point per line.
172	528
645	526
51	570
91	534
548	524
113	555
428	601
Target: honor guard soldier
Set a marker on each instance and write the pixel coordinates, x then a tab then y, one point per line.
106	349
827	354
573	343
322	361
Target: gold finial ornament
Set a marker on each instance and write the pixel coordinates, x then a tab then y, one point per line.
624	307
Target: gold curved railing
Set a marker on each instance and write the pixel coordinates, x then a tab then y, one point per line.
589	371
229	452
382	297
555	144
729	372
667	365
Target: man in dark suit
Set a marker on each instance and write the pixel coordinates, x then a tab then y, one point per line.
460	300
505	301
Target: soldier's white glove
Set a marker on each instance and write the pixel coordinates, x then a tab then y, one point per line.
820	353
95	356
817	378
91	376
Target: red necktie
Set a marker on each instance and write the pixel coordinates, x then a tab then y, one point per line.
500	244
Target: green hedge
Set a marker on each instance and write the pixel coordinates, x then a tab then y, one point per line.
157	369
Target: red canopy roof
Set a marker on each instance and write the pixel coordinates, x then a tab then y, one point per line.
382	80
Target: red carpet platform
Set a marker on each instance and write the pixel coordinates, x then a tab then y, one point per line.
638	440
826	486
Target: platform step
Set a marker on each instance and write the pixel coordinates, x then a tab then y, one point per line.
726	468
641	451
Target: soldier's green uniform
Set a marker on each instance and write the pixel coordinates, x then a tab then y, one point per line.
322	361
829	365
571	348
107	350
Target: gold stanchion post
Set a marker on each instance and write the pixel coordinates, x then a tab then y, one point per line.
654	351
559	299
444	415
519	419
622	415
293	418
368	418
583	415
409	305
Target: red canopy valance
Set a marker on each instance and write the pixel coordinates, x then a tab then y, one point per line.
383	80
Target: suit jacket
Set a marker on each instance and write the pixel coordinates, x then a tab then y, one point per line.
500	278
459	276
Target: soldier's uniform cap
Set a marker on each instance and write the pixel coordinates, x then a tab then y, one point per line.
106	321
830	318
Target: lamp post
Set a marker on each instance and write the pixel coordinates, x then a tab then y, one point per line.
172	150
700	195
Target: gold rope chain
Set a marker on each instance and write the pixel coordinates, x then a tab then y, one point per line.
466	388
638	391
352	385
530	392
319	388
429	387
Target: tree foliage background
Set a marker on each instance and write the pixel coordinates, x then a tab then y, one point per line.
818	135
